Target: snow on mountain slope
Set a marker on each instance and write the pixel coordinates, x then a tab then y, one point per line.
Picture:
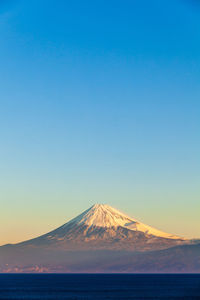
103	215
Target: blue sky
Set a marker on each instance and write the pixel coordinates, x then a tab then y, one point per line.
99	102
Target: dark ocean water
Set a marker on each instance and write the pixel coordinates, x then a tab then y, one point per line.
99	286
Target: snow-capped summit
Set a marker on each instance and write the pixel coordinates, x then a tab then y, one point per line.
103	215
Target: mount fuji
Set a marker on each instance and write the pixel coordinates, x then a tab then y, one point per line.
103	227
101	239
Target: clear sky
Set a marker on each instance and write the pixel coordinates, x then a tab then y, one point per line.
99	102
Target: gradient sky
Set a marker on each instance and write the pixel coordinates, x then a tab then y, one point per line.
99	103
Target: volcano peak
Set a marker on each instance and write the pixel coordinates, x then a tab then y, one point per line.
105	216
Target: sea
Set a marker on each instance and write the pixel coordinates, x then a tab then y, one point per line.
100	286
